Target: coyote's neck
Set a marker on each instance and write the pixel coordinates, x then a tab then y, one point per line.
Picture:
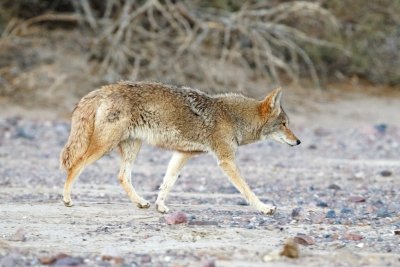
244	113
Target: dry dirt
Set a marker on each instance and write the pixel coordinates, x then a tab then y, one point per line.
338	191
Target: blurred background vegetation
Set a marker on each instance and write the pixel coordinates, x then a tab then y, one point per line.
48	46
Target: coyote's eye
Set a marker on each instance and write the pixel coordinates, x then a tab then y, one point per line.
284	124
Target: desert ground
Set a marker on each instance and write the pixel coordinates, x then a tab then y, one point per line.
337	194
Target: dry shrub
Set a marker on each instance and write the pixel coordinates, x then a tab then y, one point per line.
182	41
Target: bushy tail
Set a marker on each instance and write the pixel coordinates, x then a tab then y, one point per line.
82	128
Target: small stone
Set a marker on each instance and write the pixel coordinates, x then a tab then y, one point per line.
322	204
296	212
346	211
19	235
357	199
334	187
177	217
290	249
331	214
397	232
303	239
23	133
312	147
207	263
47	260
381	128
386	173
110	254
68	261
242	202
352	236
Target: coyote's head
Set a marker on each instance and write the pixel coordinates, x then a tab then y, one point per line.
275	121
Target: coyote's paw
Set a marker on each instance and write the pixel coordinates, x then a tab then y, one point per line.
162	208
143	204
267	209
67	203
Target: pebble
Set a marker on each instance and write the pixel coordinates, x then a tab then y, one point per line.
68	261
303	239
381	128
386	173
19	235
296	212
207	263
111	254
352	236
346	210
177	217
334	187
357	199
290	249
322	204
331	214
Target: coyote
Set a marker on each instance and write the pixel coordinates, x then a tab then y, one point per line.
184	120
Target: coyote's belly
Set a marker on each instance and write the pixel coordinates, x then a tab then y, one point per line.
171	139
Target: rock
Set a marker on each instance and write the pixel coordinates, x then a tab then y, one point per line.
397	232
23	133
207	263
45	260
19	235
357	199
66	260
353	236
242	202
312	147
381	128
290	249
296	212
111	254
346	211
331	214
334	187
322	204
177	217
303	239
386	173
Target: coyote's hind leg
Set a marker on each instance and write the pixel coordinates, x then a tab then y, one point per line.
93	153
129	150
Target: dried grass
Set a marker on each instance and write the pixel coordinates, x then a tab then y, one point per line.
182	41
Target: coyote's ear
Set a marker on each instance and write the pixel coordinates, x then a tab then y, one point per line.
272	103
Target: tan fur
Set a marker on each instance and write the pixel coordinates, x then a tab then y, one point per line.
185	120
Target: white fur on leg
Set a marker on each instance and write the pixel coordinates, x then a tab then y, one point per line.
175	165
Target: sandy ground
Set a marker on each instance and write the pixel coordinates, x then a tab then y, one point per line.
339	191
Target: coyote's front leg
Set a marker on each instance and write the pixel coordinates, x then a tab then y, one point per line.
175	165
227	163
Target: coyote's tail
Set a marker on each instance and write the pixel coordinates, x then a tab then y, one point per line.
82	128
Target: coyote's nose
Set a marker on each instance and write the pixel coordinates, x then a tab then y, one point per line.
298	142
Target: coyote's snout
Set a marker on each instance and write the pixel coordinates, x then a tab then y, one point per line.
185	120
